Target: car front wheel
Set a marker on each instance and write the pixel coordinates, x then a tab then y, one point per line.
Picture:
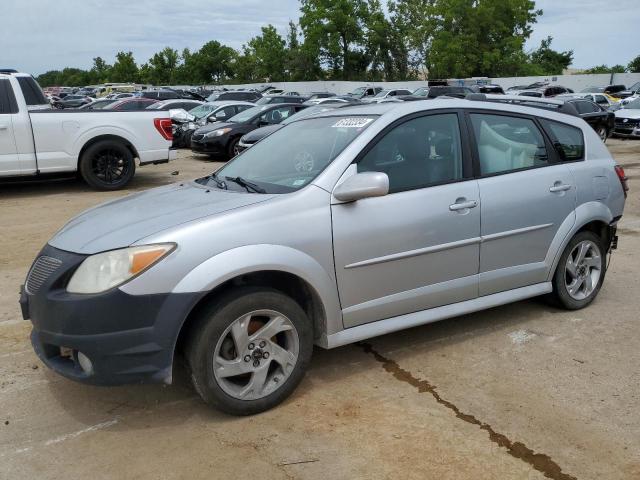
249	350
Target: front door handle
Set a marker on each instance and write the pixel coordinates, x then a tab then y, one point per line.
461	204
559	187
3	127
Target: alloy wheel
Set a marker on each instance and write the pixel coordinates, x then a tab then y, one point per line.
583	270
110	166
256	354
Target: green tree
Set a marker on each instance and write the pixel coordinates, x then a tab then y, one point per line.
550	61
606	69
162	68
386	50
100	70
634	65
212	63
125	68
338	28
270	54
415	23
245	67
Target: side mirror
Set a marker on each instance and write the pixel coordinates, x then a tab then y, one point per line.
362	185
212	119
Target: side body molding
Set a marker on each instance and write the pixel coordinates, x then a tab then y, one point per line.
254	258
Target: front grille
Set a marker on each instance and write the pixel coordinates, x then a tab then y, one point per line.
41	270
630	122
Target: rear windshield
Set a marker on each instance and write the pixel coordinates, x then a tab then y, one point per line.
32	92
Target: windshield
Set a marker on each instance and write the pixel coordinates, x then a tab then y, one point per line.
359	91
633	105
202	111
593	90
635	86
421	92
247	115
382	93
307	112
264	101
293	156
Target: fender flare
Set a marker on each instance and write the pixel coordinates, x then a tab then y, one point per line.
92	134
585	213
255	258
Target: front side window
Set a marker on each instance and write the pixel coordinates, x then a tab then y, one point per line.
290	158
8	102
275	116
569	141
420	152
507	144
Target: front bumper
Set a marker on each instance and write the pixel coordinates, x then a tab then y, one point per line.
211	146
127	338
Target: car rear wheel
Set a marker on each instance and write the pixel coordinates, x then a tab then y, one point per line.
603	133
107	165
249	350
580	272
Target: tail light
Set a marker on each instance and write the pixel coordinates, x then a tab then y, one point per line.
623	179
163	125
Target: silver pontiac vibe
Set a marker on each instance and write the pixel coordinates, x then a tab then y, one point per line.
338	227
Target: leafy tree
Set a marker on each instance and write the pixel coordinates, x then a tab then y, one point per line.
550	61
606	69
125	68
162	68
245	66
385	47
302	58
100	71
634	65
338	28
270	54
212	63
415	23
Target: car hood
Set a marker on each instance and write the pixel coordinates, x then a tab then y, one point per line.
260	133
215	126
122	222
628	113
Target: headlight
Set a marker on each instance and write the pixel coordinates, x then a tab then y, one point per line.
103	271
217	133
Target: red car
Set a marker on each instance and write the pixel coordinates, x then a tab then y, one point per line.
131	104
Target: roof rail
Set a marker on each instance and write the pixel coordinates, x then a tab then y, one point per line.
556	105
8	70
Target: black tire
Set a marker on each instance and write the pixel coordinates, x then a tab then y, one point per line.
212	322
560	295
107	165
603	133
232	147
187	138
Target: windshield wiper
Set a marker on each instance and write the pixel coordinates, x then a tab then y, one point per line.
246	184
219	183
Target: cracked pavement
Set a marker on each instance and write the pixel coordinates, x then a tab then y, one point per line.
522	391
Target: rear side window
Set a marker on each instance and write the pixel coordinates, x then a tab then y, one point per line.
568	140
8	102
586	107
507	144
32	92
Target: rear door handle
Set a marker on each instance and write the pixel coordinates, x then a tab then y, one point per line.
462	205
559	187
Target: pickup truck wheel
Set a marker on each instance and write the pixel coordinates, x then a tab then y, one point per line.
249	350
580	272
107	165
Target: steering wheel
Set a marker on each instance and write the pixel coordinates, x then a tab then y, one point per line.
303	161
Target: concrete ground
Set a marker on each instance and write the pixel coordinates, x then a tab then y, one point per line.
517	392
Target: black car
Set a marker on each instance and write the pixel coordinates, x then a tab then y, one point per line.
271	99
600	119
242	96
159	94
220	139
258	134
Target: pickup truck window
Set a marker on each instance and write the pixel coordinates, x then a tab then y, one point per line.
32	92
8	104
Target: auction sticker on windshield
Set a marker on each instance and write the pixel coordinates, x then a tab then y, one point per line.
357	122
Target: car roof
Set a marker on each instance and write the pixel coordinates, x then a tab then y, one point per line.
492	102
220	103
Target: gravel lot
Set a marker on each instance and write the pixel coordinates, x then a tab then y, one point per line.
517	392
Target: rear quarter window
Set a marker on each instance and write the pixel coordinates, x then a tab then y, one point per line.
568	140
8	104
32	92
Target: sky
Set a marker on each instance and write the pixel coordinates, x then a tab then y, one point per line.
41	35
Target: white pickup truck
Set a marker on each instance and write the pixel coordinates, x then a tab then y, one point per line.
101	145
